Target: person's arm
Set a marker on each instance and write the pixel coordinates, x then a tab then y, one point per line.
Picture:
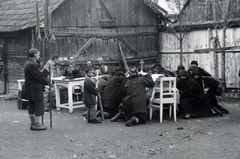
37	74
204	72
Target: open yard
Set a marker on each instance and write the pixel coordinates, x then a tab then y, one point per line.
72	137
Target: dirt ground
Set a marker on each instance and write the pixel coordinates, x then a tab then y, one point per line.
72	137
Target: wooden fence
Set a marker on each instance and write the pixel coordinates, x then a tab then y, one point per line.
209	60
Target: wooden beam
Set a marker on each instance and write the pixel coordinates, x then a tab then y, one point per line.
128	46
104	6
84	47
216	49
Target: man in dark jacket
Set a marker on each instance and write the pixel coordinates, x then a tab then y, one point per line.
134	102
34	88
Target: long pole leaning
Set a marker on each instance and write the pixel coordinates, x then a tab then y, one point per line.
124	60
50	96
99	100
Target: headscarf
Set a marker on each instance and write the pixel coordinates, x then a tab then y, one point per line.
199	80
180	67
191	68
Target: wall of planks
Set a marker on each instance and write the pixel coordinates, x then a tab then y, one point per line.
210	60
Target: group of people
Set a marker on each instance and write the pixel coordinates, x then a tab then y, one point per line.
122	94
36	87
197	90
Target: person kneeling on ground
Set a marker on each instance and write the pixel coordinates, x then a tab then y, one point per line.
193	101
89	97
210	85
134	102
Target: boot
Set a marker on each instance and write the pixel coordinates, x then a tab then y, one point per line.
36	125
84	114
116	117
218	112
32	119
132	121
223	110
96	120
106	115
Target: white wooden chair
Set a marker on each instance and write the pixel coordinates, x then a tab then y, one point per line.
167	95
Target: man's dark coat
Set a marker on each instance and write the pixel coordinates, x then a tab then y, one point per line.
135	94
34	80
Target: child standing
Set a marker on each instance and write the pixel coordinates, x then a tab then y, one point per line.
90	92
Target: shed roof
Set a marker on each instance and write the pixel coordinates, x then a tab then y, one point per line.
18	15
21	14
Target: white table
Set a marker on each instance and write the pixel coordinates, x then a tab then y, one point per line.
20	82
69	84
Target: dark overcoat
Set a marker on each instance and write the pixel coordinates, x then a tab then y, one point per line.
192	98
135	94
34	80
111	95
89	92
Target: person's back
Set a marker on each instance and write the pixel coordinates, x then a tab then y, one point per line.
111	94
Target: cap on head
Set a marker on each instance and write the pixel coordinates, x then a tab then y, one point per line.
32	52
194	62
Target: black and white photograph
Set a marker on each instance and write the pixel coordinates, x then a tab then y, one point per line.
120	79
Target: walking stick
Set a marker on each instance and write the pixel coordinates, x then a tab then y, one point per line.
42	121
50	97
99	100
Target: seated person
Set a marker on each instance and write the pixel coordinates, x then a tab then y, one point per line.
72	69
103	68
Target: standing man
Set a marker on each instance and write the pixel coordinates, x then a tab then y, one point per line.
34	88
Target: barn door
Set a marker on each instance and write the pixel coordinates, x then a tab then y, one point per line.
3	75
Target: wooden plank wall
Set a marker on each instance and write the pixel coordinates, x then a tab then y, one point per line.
107	48
17	52
210	61
88	13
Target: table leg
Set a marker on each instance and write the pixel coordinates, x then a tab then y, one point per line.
70	99
57	92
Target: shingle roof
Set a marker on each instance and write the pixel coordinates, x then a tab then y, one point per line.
21	14
155	7
171	6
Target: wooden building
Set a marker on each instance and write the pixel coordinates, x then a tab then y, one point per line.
204	40
86	29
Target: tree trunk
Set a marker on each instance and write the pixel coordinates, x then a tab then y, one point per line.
181	49
223	60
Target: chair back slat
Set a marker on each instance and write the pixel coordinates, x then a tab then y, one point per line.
167	88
